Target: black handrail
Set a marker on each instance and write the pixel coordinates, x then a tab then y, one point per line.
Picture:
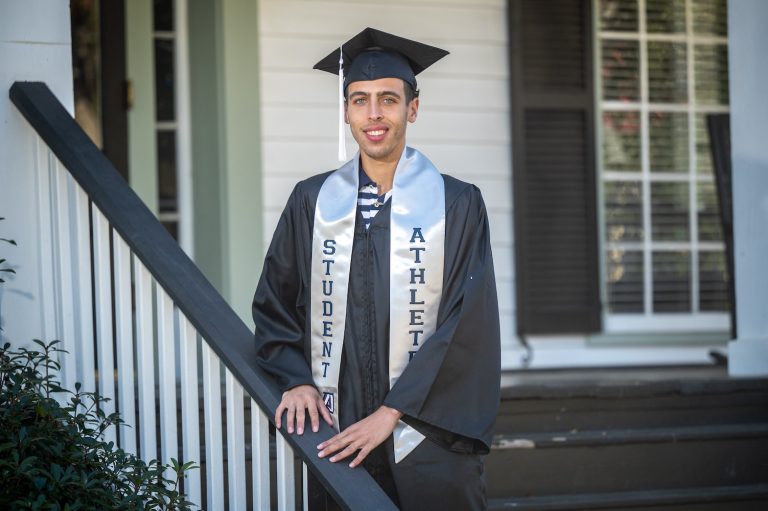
213	318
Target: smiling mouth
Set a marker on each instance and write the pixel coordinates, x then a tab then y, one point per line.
375	133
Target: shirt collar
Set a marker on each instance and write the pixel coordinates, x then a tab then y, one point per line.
364	179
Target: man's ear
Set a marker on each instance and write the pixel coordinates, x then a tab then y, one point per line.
413	110
346	114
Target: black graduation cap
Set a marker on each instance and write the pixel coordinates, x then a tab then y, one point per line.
373	54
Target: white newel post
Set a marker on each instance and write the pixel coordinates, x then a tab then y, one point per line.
748	44
35	45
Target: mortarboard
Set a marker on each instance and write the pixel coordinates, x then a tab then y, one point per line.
373	54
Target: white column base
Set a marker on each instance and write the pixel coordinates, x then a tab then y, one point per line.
748	357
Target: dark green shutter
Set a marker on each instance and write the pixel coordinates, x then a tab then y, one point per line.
554	166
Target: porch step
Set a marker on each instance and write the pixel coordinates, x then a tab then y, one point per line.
630	442
732	498
627	460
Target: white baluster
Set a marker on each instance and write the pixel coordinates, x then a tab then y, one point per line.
260	457
145	361
103	308
81	282
235	443
214	460
304	487
124	342
166	361
286	479
62	274
190	407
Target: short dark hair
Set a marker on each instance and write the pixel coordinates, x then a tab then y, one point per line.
410	93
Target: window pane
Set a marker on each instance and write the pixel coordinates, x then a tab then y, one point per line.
163	15
671	282
623	211
618	15
711	71
713	282
710	17
703	152
621	70
621	141
708	209
665	16
668	133
667	72
625	280
166	170
164	78
669	211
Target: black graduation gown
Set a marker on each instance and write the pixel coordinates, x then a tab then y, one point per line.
450	389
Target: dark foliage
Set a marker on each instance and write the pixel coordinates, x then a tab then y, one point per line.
52	452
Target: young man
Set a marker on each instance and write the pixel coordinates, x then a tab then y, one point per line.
376	310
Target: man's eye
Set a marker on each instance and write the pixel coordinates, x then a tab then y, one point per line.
388	101
359	101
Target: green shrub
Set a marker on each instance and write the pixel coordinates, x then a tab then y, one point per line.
53	456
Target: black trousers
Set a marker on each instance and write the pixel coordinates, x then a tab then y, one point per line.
429	478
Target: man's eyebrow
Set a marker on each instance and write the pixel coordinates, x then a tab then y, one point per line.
382	93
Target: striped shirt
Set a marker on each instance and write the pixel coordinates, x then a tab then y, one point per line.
369	202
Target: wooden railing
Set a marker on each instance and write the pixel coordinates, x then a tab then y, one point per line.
145	329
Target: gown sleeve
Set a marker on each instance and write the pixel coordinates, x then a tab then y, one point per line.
278	307
451	386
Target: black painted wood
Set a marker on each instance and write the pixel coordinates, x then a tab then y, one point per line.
732	498
556	256
213	318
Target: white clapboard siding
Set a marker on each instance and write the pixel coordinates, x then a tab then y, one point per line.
464	118
301	19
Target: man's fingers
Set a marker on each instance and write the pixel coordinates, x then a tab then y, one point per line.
347	452
324	411
290	418
300	419
314	418
360	457
279	414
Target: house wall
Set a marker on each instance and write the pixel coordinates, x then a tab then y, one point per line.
35	45
748	42
463	124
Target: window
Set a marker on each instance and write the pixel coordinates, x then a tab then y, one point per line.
663	67
165	114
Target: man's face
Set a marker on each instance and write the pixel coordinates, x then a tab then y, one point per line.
377	114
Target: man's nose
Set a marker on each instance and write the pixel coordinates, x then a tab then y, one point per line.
374	112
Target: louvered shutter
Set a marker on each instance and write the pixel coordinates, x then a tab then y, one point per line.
554	166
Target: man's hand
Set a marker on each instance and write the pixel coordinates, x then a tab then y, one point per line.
363	436
296	402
